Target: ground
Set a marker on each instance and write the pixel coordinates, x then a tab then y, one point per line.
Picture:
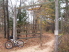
31	45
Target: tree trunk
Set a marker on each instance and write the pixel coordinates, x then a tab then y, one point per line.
56	25
7	20
4	20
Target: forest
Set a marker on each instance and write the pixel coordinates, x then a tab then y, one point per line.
34	25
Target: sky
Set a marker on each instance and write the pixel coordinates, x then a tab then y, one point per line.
12	3
18	2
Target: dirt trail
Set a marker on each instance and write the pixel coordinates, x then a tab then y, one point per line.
46	47
33	45
36	49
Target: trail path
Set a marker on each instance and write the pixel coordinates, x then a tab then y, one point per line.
47	47
32	45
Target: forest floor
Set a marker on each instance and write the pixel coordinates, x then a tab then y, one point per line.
31	45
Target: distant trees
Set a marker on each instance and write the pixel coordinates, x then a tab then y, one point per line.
64	15
1	15
4	17
22	18
64	19
47	11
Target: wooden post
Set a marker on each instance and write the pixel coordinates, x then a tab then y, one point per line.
41	30
56	25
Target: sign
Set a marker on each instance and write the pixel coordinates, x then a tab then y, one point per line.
56	32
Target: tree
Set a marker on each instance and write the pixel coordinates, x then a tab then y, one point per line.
21	20
65	15
4	19
48	14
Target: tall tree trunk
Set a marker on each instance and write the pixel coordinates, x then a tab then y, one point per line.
56	25
7	20
66	9
67	16
4	20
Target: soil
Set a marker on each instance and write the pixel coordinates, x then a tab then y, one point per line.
32	44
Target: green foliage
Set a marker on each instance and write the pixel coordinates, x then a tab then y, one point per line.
51	0
64	45
48	13
22	18
61	34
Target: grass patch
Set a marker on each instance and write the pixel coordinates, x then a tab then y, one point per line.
60	34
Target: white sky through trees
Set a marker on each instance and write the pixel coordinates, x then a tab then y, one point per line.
18	2
12	3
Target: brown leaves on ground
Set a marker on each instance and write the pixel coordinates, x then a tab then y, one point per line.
32	43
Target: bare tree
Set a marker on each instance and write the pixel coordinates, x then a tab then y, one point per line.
7	19
56	25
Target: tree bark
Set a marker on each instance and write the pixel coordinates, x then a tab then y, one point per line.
56	25
4	20
7	20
